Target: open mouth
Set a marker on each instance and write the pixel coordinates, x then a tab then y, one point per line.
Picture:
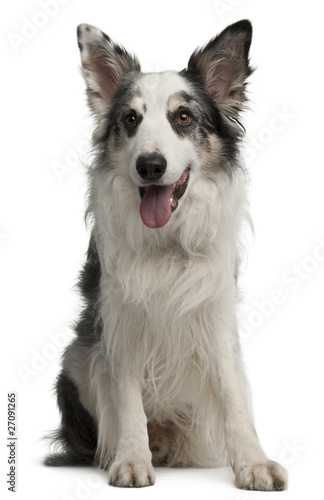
158	202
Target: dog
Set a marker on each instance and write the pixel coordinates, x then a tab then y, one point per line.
154	375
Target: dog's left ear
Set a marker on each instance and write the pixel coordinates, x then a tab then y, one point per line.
224	66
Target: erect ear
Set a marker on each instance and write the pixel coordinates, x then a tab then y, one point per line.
224	65
103	65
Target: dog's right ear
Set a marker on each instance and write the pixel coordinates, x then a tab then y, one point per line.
103	65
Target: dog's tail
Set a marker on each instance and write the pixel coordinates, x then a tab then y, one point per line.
76	439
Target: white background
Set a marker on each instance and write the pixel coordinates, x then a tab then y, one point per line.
43	238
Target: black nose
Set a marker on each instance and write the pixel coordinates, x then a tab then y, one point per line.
151	166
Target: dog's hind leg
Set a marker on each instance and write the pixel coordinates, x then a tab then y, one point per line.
161	440
77	435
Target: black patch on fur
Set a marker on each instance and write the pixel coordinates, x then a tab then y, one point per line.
208	114
89	326
120	51
120	106
89	279
185	96
209	119
131	131
77	435
183	130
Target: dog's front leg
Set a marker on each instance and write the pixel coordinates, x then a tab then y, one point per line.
132	465
253	470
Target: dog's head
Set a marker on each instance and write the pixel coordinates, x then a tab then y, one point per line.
167	127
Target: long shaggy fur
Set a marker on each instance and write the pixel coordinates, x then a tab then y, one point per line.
155	372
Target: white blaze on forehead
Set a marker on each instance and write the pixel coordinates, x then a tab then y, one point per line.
158	93
159	87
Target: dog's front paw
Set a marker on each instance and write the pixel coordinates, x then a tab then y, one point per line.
264	476
131	473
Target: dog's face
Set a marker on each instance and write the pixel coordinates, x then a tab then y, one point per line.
156	128
167	127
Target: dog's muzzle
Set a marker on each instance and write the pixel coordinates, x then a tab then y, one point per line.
158	201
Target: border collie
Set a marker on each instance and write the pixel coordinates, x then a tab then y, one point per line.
154	375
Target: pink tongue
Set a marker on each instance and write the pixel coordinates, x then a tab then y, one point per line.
155	208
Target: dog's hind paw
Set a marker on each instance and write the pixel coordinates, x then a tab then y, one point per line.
264	476
131	473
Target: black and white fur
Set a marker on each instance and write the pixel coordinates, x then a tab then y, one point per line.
154	375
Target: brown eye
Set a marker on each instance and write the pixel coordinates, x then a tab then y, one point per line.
183	118
131	120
